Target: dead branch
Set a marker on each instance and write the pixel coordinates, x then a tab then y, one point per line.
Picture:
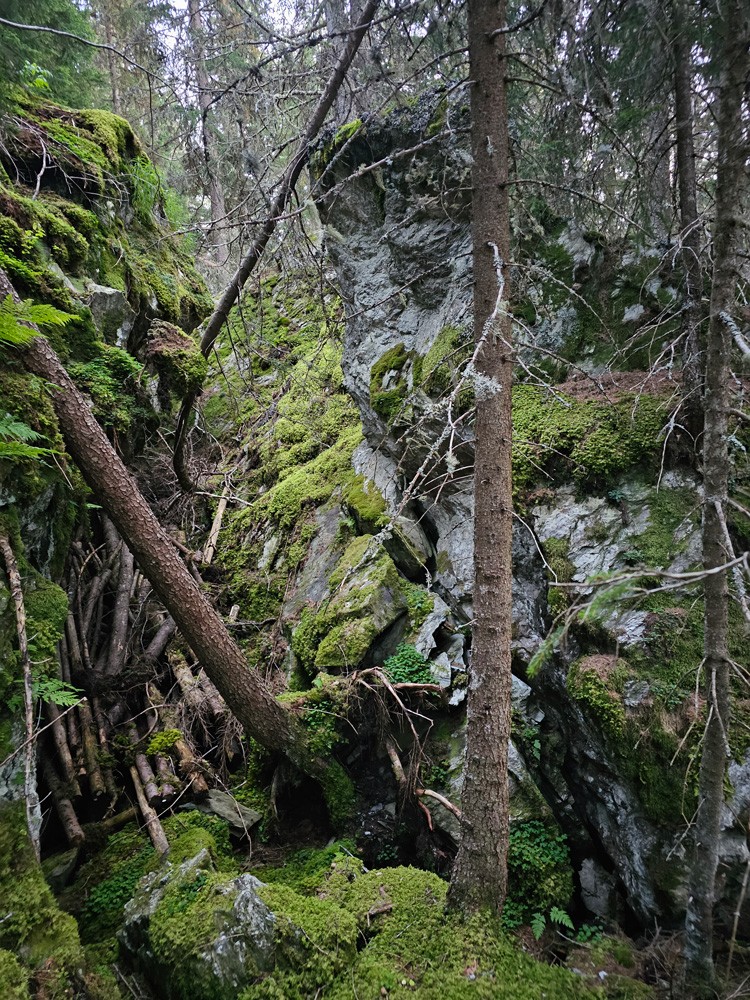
73	829
153	826
30	790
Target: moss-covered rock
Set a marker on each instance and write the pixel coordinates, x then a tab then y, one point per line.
33	928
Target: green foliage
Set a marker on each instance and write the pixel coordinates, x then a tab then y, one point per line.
408	666
15	436
13	316
589	442
112	380
557	916
585	684
13	977
109	881
35	58
539	872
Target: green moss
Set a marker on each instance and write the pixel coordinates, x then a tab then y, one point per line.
366	504
13	978
112	380
388	388
592	443
585	684
668	509
437	371
33	927
107	882
322	156
305	870
177	359
557	553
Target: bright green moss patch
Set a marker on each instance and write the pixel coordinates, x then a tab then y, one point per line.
367	597
668	509
407	666
13	978
388	388
591	442
33	927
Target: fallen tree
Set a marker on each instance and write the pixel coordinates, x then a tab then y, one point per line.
253	704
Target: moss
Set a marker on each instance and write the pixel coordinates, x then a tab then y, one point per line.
46	610
388	388
586	685
668	509
107	882
419	603
177	359
437	371
412	948
112	380
305	870
366	505
13	978
343	629
33	927
590	442
323	155
557	554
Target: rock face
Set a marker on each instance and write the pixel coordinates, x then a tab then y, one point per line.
611	706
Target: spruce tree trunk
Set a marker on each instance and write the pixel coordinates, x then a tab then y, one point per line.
690	234
731	184
247	696
480	871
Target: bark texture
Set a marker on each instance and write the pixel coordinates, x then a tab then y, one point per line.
480	871
731	184
690	233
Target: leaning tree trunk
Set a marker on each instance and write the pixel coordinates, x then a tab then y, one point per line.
114	488
480	871
731	184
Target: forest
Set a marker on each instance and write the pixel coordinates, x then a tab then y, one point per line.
374	499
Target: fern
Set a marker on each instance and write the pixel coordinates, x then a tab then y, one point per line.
15	438
538	925
561	918
15	317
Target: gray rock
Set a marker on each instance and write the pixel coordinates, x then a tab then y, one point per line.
409	547
598	889
111	313
440	668
239	818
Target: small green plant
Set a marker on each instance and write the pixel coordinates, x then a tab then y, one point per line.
556	916
49	689
407	666
590	933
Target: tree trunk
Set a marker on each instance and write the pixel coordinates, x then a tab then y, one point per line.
731	183
218	235
480	871
690	235
114	488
